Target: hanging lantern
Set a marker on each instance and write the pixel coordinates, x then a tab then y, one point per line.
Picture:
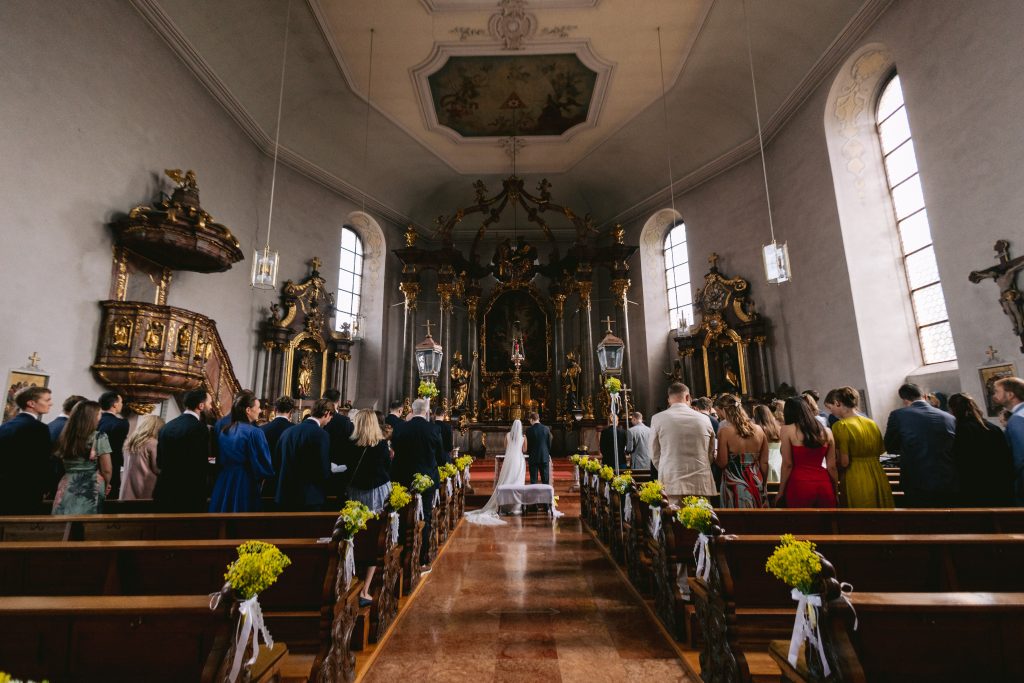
776	263
428	357
610	353
264	268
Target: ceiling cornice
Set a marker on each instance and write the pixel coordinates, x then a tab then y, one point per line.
165	27
837	51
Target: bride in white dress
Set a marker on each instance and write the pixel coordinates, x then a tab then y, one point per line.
513	471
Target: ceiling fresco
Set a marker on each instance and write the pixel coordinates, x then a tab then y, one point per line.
506	95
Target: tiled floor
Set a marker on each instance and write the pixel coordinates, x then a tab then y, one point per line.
532	601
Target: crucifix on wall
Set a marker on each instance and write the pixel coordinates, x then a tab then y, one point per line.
1005	275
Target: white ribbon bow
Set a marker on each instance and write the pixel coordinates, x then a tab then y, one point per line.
655	521
608	493
449	486
458	478
627	509
249	626
394	528
437	498
700	552
349	570
419	507
467	474
806	628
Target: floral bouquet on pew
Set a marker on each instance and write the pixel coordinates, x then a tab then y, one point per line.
606	473
446	474
420	483
798	565
462	464
696	513
622	482
256	569
399	498
576	458
651	493
592	466
351	520
6	678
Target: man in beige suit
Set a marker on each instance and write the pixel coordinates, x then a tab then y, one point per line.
683	447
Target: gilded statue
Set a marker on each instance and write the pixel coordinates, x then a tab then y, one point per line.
187	179
571	380
677	372
410	236
154	340
306	374
184	338
460	377
121	334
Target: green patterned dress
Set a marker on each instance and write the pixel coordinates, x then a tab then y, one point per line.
82	490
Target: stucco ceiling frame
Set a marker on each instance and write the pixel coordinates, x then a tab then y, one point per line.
582	49
476	5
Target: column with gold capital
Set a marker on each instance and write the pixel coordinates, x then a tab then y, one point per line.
411	289
558	296
620	293
584	285
446	288
472	291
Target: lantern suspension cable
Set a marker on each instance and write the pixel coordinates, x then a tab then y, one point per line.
757	116
668	149
366	123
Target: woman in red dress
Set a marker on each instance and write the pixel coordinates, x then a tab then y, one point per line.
806	444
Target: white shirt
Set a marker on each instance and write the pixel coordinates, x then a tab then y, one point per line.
193	414
29	412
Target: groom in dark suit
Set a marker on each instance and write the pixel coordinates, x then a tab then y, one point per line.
538	450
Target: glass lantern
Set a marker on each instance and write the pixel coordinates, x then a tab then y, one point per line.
609	355
428	358
264	268
776	263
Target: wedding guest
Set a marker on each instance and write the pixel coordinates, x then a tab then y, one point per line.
116	428
859	444
705	406
244	458
638	442
86	453
538	450
25	453
765	419
394	416
613	444
982	457
743	457
683	447
418	451
56	426
140	468
339	429
182	457
283	408
812	397
806	442
444	430
1009	393
923	437
304	461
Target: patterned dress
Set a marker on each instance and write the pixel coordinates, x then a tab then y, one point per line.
742	483
81	490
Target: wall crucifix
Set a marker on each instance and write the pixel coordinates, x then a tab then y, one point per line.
1005	276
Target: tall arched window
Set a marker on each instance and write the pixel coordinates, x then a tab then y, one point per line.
677	277
904	181
350	278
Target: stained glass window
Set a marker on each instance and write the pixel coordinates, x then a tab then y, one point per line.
350	279
677	278
904	181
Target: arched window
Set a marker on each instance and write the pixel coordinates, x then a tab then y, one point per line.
904	182
350	279
677	278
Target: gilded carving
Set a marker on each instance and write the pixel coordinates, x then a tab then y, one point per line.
460	378
121	333
184	341
153	342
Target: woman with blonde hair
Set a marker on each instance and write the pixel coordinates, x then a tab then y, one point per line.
370	461
140	468
765	419
742	455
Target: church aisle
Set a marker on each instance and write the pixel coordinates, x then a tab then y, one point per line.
531	601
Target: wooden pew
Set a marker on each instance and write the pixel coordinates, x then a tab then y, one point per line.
410	533
742	607
373	547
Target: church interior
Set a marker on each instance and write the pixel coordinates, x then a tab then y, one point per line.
545	211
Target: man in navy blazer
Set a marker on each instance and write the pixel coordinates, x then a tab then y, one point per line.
444	429
116	429
304	452
418	451
394	417
25	453
273	430
922	435
538	449
182	454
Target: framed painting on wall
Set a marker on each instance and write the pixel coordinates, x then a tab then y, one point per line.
990	374
18	380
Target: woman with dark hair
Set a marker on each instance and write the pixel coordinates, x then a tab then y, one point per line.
805	444
981	455
87	464
742	456
765	419
244	457
858	445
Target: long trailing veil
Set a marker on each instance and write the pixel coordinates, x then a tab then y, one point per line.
513	471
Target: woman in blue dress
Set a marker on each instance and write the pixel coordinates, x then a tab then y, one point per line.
244	457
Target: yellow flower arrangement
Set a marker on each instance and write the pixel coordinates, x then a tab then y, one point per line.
354	517
622	482
606	473
463	461
421	482
399	497
576	458
695	514
613	385
6	678
650	493
427	390
256	569
795	563
446	471
592	465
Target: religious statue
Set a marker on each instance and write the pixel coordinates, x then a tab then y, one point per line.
410	235
1011	299
514	263
305	378
121	334
184	338
187	179
154	340
571	380
677	372
460	377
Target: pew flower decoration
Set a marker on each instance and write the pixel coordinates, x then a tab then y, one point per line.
256	569
576	458
613	385
6	678
606	473
420	483
447	473
427	390
399	497
351	520
651	493
622	484
695	514
796	564
463	461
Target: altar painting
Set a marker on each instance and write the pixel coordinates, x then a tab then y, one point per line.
499	328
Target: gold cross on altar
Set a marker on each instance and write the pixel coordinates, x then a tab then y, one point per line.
713	260
428	325
33	360
608	321
991	352
316	262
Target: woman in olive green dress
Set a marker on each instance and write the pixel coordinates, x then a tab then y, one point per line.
87	465
862	483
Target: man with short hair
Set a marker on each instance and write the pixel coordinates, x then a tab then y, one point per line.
538	450
444	429
1009	393
283	408
339	429
116	429
418	451
638	439
25	453
683	447
56	425
394	417
922	435
304	454
182	456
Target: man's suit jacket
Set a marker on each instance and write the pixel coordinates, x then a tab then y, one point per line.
538	444
396	423
339	429
182	449
24	464
273	431
682	448
923	437
56	427
417	451
116	429
444	430
305	456
607	443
